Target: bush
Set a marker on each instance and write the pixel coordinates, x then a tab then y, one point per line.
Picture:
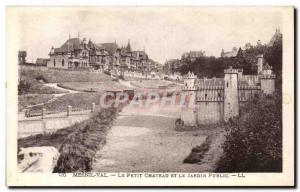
79	148
23	87
254	141
198	152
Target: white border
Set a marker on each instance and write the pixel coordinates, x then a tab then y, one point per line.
94	2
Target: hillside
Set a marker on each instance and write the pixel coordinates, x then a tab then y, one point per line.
214	66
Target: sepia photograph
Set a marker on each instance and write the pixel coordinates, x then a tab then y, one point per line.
150	96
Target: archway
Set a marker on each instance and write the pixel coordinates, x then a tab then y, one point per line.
76	64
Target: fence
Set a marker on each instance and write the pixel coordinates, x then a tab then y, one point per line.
69	111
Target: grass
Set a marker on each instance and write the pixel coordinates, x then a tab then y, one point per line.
93	86
77	100
34	86
32	99
152	84
59	76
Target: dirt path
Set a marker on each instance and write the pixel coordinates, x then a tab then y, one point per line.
147	143
54	85
21	115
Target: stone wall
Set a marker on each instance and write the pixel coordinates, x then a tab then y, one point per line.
49	125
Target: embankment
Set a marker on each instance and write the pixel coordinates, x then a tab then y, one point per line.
79	147
77	144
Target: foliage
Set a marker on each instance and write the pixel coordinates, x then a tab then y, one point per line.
23	87
247	59
254	141
79	147
198	152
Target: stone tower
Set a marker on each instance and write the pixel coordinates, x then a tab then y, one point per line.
190	81
231	100
260	61
189	112
267	79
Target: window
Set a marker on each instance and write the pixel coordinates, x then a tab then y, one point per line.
54	62
62	62
227	84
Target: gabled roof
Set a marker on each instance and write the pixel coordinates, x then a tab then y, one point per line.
138	55
125	52
70	45
110	47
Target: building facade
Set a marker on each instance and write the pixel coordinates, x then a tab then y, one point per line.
77	53
192	55
231	53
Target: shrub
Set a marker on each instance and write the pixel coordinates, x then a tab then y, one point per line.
198	152
79	148
254	141
23	87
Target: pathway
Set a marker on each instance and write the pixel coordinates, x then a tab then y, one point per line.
147	142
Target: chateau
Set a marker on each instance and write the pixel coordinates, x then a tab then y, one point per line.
231	53
219	99
78	53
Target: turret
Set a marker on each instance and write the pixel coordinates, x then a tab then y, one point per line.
231	102
222	53
128	48
51	51
260	60
189	82
267	80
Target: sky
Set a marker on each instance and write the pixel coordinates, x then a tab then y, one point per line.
163	32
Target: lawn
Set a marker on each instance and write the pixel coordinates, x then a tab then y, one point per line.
58	76
93	86
32	99
77	100
31	84
151	84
